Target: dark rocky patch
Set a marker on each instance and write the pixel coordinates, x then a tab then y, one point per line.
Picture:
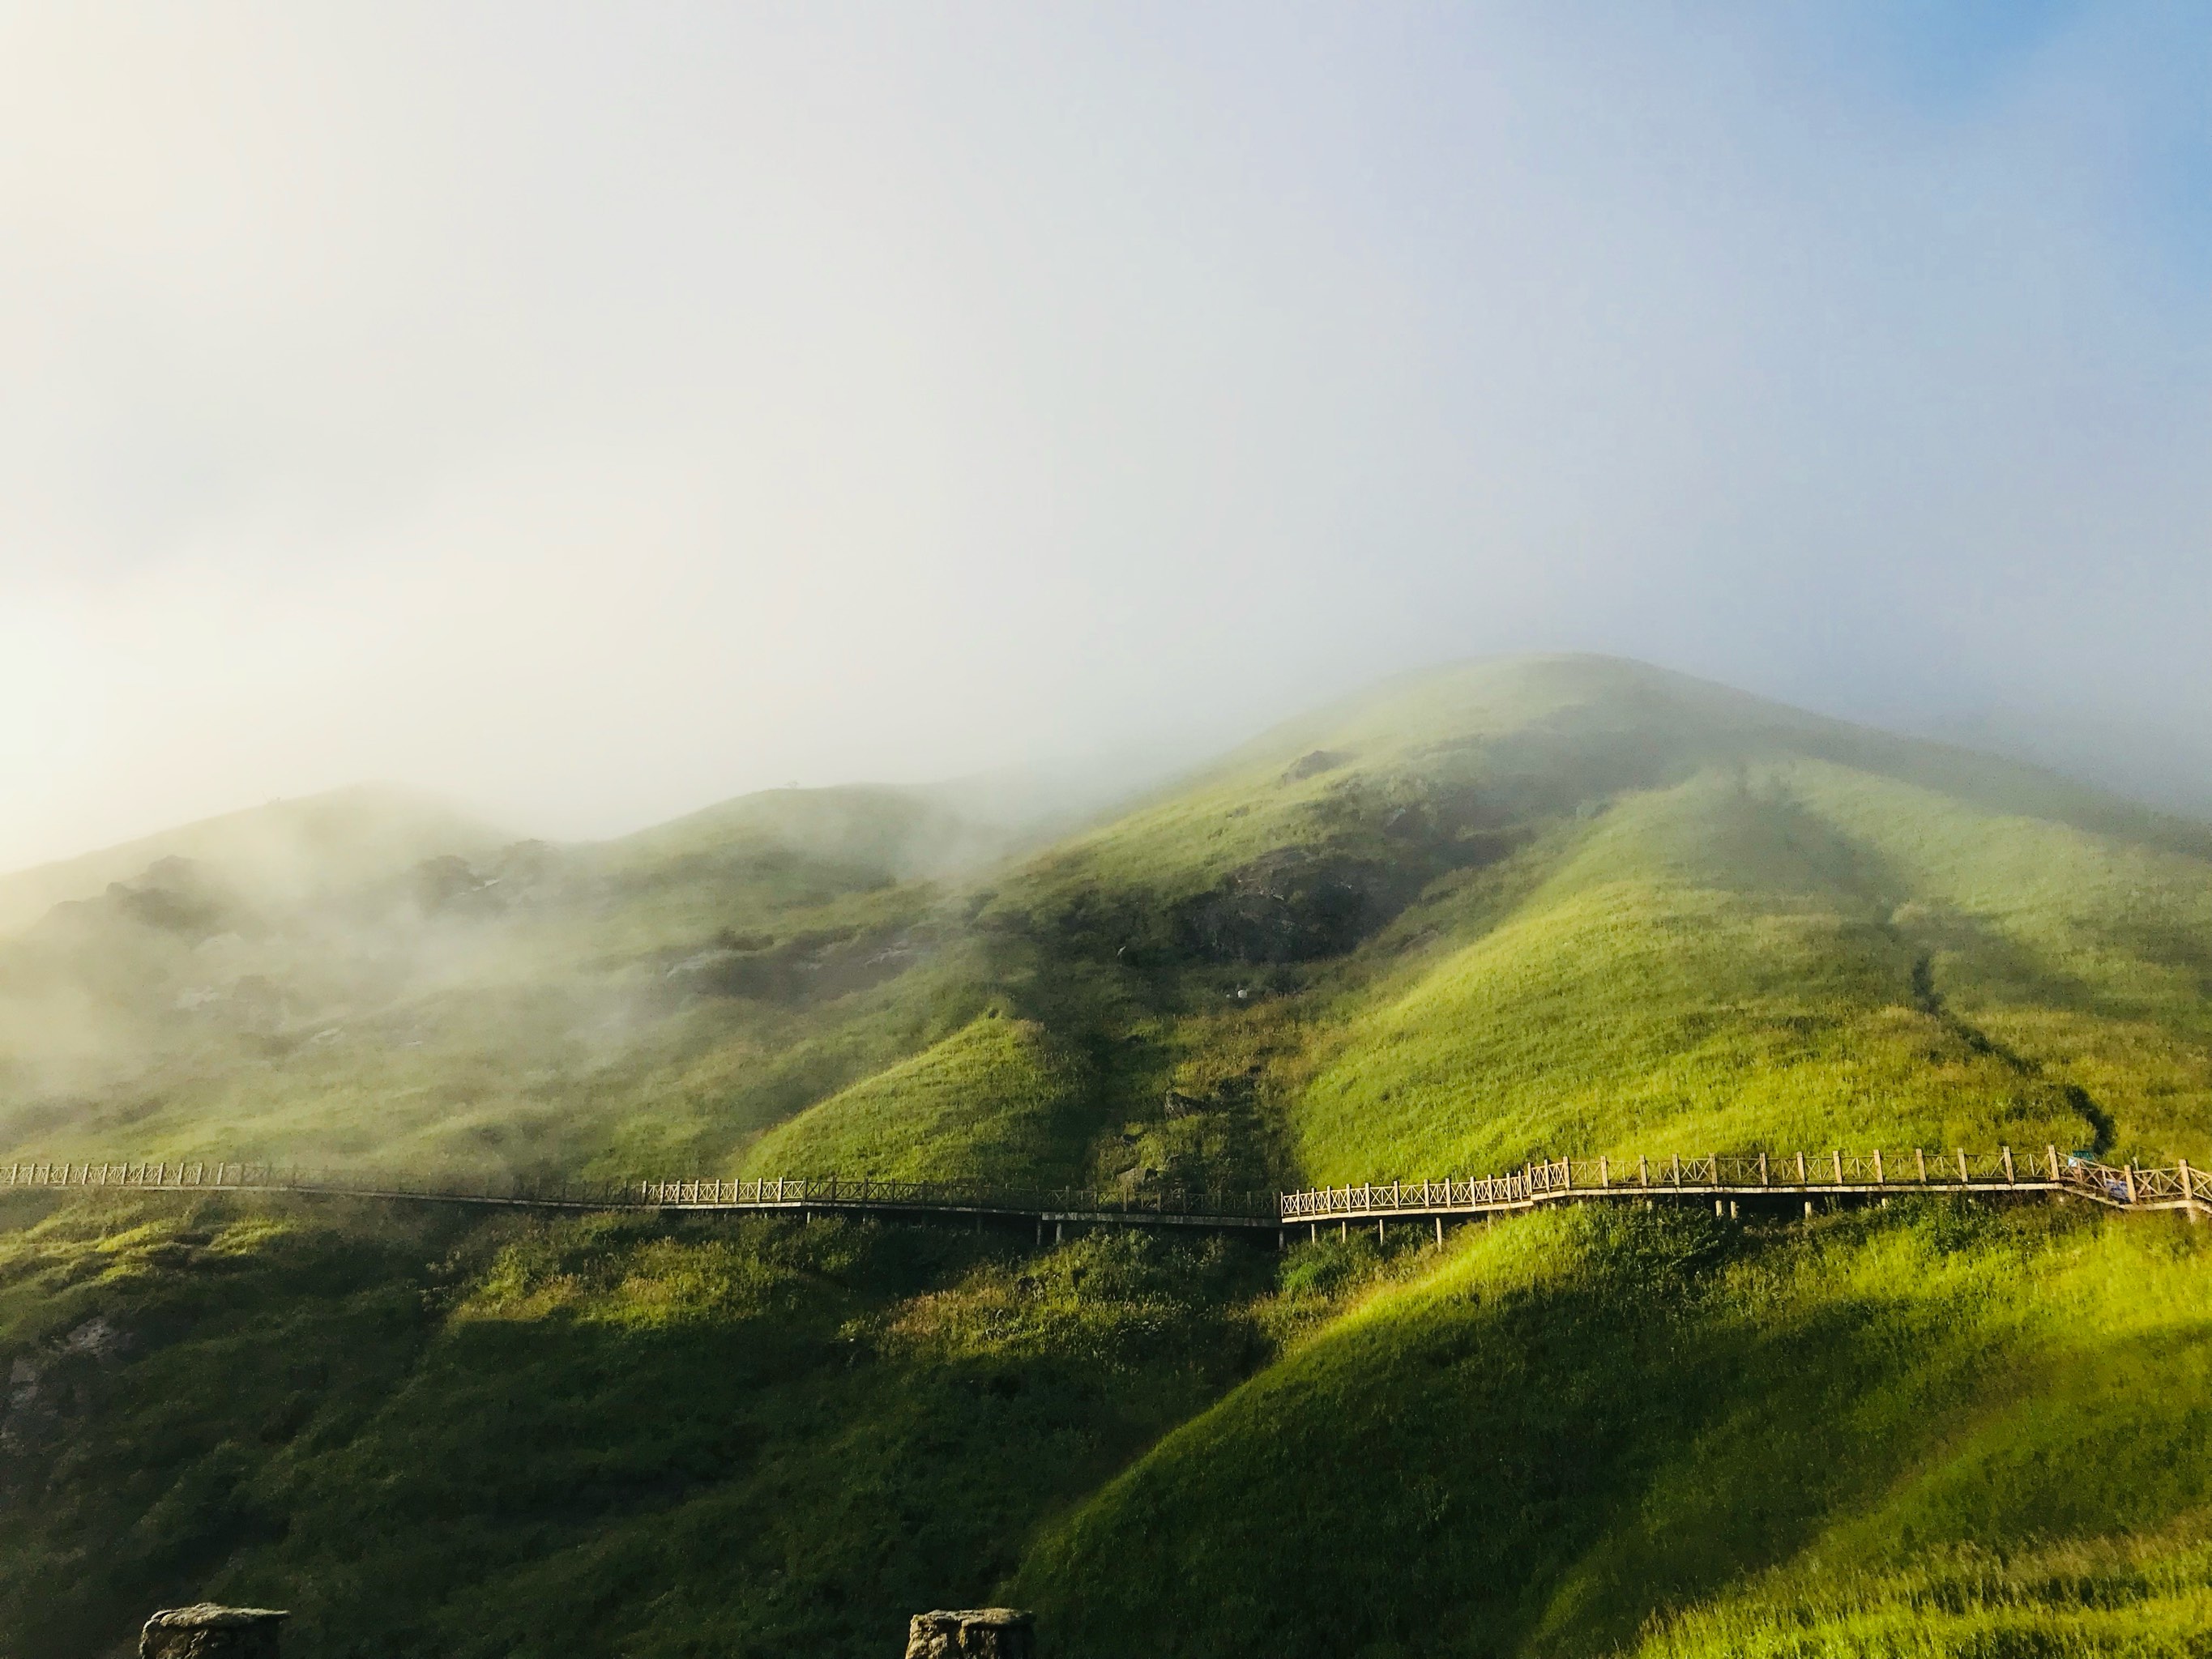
1292	906
1312	765
174	895
807	966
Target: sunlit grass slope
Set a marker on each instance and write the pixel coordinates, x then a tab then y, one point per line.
995	1097
1790	955
1578	905
1916	1431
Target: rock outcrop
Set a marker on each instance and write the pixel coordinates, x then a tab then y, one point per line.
977	1633
206	1631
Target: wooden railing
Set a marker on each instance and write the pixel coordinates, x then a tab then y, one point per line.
1160	1206
1739	1174
1717	1175
868	1192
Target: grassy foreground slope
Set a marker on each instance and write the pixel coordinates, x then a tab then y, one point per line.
442	1438
1923	1430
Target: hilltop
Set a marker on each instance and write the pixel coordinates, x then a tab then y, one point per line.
1577	905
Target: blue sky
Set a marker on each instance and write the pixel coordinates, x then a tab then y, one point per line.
590	412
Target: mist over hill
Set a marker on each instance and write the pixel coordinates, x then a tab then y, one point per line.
1536	904
1509	909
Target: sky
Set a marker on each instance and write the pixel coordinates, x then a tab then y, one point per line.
589	412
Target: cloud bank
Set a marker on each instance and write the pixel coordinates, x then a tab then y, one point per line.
591	412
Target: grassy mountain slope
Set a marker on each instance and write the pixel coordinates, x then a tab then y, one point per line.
993	1096
1581	905
1562	904
431	1436
1921	1431
1772	957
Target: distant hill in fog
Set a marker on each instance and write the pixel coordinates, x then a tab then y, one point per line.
283	851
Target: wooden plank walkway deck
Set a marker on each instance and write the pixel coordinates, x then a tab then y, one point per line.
1726	1179
802	1196
1762	1179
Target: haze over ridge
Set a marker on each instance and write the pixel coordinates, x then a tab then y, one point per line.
587	417
285	847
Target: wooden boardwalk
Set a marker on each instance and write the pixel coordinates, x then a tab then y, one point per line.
1759	1181
1762	1180
804	1196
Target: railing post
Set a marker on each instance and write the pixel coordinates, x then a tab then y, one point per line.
1604	1170
2006	1151
2129	1171
1921	1159
1877	1167
1678	1169
1801	1168
2188	1194
1840	1166
1965	1180
2052	1153
1762	1170
1642	1170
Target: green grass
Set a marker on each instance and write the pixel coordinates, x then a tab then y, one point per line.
431	1437
1717	966
1589	1433
994	1096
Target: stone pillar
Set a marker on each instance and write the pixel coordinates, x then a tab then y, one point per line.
977	1633
207	1632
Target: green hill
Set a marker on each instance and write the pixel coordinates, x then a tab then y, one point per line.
286	850
663	997
1925	1433
1579	906
1547	906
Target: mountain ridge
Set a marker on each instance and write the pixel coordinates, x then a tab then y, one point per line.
1568	905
